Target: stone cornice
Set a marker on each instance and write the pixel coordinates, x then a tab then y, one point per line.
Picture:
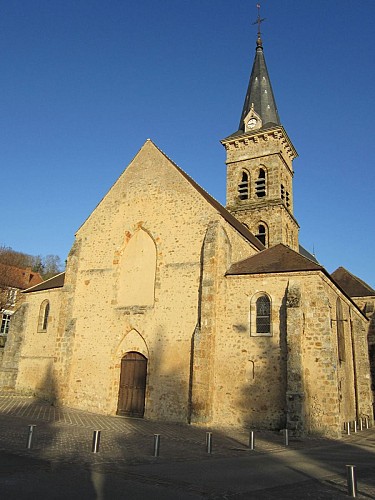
244	139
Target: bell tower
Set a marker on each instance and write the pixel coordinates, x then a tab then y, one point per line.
259	163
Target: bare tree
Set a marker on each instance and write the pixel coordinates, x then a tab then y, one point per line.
51	265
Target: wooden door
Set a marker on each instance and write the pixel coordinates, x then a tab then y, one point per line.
131	398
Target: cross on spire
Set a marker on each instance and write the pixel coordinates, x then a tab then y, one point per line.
259	22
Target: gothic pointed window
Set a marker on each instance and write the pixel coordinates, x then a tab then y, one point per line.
262	234
243	186
260	184
136	285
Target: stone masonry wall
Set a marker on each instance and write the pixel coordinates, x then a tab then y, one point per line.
367	306
250	371
274	154
293	377
215	261
12	350
153	197
36	354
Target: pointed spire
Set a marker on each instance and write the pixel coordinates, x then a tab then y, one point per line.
259	95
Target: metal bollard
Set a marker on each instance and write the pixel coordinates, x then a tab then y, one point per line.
95	441
355	426
286	437
156	445
348	428
366	422
360	424
251	440
29	442
351	476
209	442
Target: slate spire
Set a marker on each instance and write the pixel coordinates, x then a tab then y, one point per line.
259	95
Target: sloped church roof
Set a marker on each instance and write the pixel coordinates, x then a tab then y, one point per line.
352	285
277	259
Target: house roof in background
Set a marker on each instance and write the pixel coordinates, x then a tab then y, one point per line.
54	282
16	277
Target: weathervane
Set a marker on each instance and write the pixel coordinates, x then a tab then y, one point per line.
259	22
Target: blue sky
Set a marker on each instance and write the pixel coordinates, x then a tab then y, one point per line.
85	83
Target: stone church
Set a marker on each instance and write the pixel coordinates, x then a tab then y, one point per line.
173	307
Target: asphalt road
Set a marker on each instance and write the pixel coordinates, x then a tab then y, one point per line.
318	473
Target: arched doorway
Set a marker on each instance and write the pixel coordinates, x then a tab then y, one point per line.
131	397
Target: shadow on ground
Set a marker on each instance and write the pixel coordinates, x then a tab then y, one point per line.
61	464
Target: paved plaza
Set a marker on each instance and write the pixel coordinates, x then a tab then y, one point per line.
61	464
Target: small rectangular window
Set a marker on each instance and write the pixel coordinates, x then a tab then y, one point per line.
4	329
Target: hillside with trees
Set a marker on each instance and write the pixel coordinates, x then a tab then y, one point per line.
47	266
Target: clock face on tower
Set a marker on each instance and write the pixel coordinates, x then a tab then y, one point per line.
252	122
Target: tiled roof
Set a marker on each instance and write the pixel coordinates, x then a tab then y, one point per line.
55	282
277	259
352	285
16	277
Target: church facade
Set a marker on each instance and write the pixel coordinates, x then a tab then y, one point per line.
173	307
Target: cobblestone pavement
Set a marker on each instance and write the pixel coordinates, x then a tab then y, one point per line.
64	436
66	433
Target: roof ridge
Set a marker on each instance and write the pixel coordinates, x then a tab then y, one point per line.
184	172
43	283
356	278
230	218
274	250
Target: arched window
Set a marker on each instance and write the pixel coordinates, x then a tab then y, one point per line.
243	186
43	316
262	234
340	331
260	184
261	320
